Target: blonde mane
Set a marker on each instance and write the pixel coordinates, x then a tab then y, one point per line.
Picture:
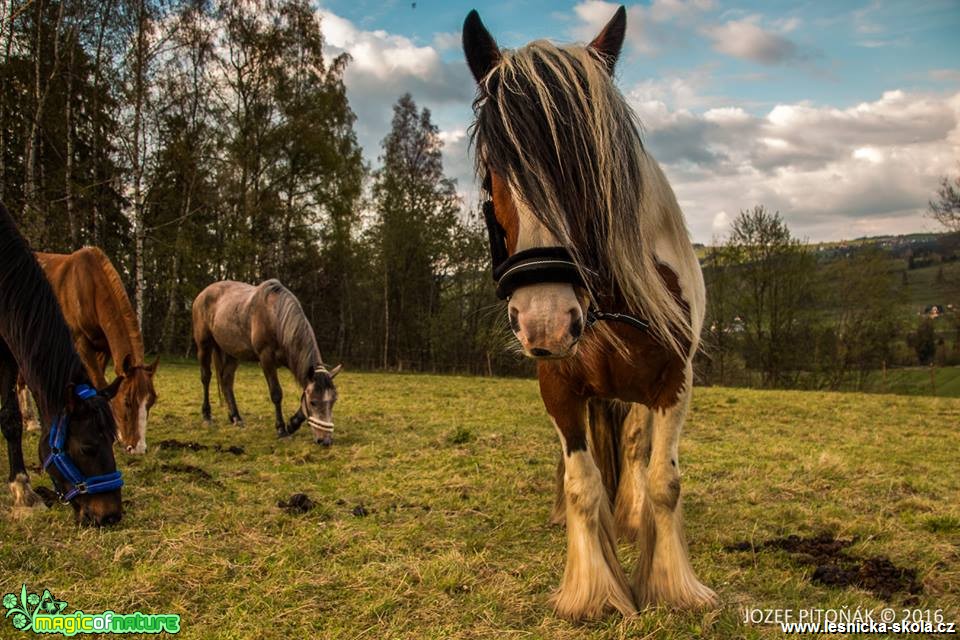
550	122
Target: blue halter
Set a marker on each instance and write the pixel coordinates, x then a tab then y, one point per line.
79	484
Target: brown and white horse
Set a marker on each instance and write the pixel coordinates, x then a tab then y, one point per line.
104	326
604	289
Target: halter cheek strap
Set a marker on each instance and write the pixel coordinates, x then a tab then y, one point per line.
316	423
59	458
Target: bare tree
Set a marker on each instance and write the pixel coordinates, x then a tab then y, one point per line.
777	281
946	208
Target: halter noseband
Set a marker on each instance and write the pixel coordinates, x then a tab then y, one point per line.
79	483
316	423
538	265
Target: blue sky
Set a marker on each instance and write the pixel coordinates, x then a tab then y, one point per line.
841	115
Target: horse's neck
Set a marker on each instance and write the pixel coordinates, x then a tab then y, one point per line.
301	354
118	323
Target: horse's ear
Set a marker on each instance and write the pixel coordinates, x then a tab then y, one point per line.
127	365
480	48
111	389
153	366
335	370
610	40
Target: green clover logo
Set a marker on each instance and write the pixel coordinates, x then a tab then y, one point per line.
23	608
50	605
20	621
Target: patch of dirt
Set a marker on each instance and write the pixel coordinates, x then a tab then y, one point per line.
297	503
360	511
834	567
191	470
178	445
234	449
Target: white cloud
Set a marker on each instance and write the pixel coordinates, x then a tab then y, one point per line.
649	28
452	136
720	223
747	40
446	40
384	66
831	172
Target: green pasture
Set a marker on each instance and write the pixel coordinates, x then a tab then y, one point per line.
431	516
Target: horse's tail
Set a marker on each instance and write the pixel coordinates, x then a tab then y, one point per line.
605	420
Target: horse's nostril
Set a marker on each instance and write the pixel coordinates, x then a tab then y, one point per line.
540	353
110	518
576	326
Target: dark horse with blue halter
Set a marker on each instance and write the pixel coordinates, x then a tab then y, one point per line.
76	447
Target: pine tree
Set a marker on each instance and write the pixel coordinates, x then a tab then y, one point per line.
417	207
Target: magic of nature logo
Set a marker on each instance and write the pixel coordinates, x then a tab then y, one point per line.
43	613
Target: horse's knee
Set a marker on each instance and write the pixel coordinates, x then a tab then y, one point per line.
663	488
11	422
582	482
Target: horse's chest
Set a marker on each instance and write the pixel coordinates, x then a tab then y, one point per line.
646	373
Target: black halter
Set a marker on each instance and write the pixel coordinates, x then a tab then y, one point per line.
536	266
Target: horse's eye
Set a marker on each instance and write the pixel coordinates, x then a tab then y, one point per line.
88	450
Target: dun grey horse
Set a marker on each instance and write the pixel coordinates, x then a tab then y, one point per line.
234	321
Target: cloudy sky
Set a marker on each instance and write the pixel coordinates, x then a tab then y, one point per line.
841	115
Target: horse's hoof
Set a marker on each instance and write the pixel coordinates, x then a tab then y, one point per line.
25	500
282	433
237	421
207	422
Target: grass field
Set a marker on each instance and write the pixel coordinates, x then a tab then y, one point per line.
916	381
455	478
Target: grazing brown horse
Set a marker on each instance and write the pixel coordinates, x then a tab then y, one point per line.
234	321
104	325
76	443
592	253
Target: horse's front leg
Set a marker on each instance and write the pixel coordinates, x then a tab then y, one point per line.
12	426
276	393
27	407
593	580
669	578
91	362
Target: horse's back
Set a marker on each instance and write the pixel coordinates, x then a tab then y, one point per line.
672	244
221	313
75	278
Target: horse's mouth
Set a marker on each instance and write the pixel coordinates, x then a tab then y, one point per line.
542	354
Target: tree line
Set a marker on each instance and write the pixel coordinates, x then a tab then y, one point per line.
780	315
197	141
